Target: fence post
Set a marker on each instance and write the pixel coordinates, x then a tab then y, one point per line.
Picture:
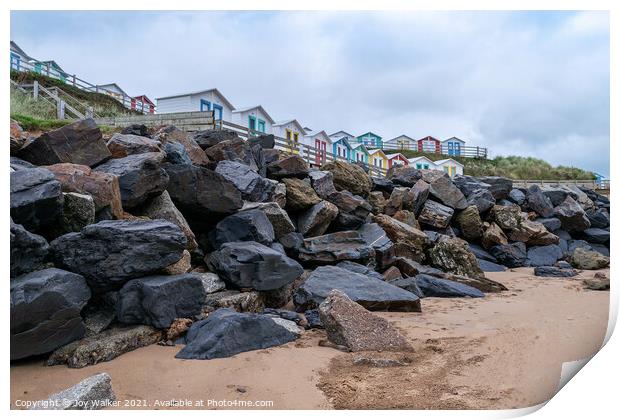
47	67
35	90
89	112
60	108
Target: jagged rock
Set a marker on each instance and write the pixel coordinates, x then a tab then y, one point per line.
353	210
172	134
17	164
334	247
511	255
598	218
250	265
407	217
482	199
417	196
292	243
315	220
506	217
208	138
409	242
588	260
432	286
554	194
572	216
406	176
247	225
17	139
313	318
376	237
288	167
500	187
468	184
45	311
539	202
252	186
159	300
453	256
391	274
395	202
299	194
349	177
371	293
532	233
226	333
36	199
348	324
200	193
181	266
322	182
265	141
92	393
599	282
280	220
377	201
543	255
489	266
550	271
359	269
111	252
123	145
137	130
140	177
78	212
28	251
550	223
284	314
493	235
443	189
516	196
596	235
238	301
382	184
176	154
81	143
103	187
104	346
237	150
469	223
435	214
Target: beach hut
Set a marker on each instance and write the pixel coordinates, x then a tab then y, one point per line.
19	57
452	146
142	103
421	162
370	140
320	144
255	118
343	134
397	159
429	144
401	142
342	149
359	154
202	100
449	166
292	132
377	158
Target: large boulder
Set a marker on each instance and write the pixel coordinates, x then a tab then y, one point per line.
598	218
45	311
511	255
334	247
28	251
211	137
376	237
158	300
247	225
538	256
315	220
137	130
453	256
395	202
596	235
289	167
111	252
468	184
250	265
252	186
539	202
353	210
416	197
432	286
122	145
532	233
237	150
500	187
588	260
81	143
555	194
36	199
299	194
176	154
322	182
349	177
103	187
493	235
140	177
279	218
469	222
382	184
92	393
551	271
550	223
443	189
371	293
78	212
572	216
517	196
405	176
172	134
409	242
506	217
348	324
481	198
435	214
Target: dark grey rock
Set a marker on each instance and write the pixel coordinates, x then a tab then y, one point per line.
292	243
176	154
516	196
549	271
375	236
435	214
468	185
247	225
443	189
405	176
252	186
550	223
489	266
289	167
334	247
382	184
313	318
555	194
208	138
543	255
360	269
436	287
136	130
322	182
353	210
500	187
596	235
539	202
28	251
481	198
572	216
315	220
511	255
598	218
480	253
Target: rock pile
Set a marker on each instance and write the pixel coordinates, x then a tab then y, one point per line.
201	239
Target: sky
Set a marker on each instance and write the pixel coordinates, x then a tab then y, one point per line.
520	83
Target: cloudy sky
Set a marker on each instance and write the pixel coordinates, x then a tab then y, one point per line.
521	83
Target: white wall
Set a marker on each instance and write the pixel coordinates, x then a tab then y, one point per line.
177	104
241	118
214	99
280	130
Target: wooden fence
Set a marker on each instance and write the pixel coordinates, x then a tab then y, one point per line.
588	183
188	121
463	151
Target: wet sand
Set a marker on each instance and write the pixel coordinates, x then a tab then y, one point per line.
502	351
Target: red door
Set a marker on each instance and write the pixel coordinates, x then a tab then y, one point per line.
319	152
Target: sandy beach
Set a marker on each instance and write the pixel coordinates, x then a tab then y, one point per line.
502	351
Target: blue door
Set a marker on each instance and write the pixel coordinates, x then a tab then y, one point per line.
205	105
217	111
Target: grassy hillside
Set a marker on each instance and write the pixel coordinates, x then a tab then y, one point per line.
514	167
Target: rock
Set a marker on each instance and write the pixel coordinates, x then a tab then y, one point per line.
315	220
516	196
292	243
511	255
435	215
103	187
506	217
111	252
162	207
549	271
572	216
200	194
208	138
395	202
289	167
36	199
588	260
322	182
140	177
349	177
334	247
532	233
45	311
247	225
250	265
432	286
237	150
408	242
176	154
16	137
377	201
299	194
500	187
28	251
480	253
598	218
181	266
555	195
443	189
123	145
280	220
417	196
104	346
382	184
374	236
178	328
597	283
348	324
17	164
284	314
543	255
226	333
172	134
482	199
159	300
453	256
468	184
493	235
359	269
93	393
539	202
81	143
601	249
392	273
596	235
469	223
550	223
137	130
313	318
407	217
405	176
371	293
353	210
252	186
489	266
238	301
78	212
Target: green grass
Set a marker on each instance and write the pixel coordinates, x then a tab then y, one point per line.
24	104
30	123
